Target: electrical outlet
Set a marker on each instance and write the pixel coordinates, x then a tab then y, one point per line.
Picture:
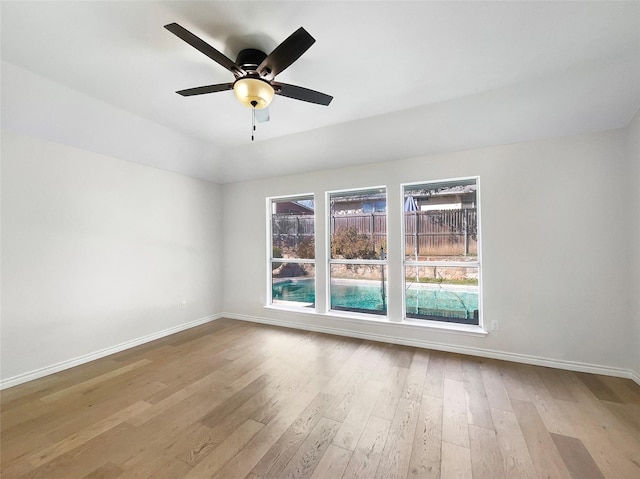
183	304
494	325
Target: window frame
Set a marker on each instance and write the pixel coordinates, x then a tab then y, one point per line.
442	323
270	201
384	263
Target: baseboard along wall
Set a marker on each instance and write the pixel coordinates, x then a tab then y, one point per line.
70	363
486	353
450	348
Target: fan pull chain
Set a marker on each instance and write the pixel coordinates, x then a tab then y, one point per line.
253	119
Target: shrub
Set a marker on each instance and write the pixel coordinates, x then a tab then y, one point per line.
349	244
306	249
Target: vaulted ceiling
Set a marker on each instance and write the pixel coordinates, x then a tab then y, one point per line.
408	79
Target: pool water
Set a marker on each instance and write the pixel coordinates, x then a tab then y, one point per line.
359	297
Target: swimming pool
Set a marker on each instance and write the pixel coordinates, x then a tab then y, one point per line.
421	301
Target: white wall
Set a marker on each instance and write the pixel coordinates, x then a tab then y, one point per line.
555	231
99	252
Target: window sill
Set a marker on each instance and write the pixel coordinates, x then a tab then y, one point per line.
408	323
441	326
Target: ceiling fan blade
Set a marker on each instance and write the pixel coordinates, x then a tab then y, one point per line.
262	115
286	53
202	46
300	93
201	90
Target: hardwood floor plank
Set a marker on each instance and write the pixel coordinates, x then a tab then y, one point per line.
401	356
365	357
260	446
552	379
366	456
516	458
554	419
596	408
494	387
427	444
455	428
354	423
172	469
275	459
343	403
107	471
332	464
478	409
60	447
542	450
514	385
434	380
392	389
79	461
218	457
396	454
456	462
576	457
627	415
612	458
235	401
89	383
486	459
311	450
453	367
625	389
416	376
598	387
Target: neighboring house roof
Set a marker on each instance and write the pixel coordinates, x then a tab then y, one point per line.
292	207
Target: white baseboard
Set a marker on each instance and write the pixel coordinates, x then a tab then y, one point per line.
485	353
70	363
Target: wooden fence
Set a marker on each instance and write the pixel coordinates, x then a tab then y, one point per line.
432	233
289	230
441	232
374	225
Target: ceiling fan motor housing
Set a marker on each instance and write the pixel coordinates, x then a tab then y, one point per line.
250	58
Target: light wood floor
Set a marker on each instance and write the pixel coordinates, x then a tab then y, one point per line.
239	400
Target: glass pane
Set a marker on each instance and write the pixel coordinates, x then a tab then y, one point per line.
293	228
359	224
441	221
293	283
442	293
359	288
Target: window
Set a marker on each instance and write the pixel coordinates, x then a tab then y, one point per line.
292	251
357	261
441	260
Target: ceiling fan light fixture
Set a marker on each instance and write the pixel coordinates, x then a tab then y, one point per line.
253	92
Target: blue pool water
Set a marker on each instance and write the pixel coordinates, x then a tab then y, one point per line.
358	297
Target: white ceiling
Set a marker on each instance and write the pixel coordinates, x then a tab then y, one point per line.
408	78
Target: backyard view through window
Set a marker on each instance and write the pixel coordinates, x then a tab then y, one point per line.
293	270
358	229
442	267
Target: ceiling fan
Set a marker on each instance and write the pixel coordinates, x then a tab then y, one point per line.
255	71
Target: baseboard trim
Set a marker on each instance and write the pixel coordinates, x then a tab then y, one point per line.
480	352
70	363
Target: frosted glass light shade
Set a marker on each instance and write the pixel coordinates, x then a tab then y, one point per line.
250	90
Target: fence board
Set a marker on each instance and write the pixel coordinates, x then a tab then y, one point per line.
427	233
